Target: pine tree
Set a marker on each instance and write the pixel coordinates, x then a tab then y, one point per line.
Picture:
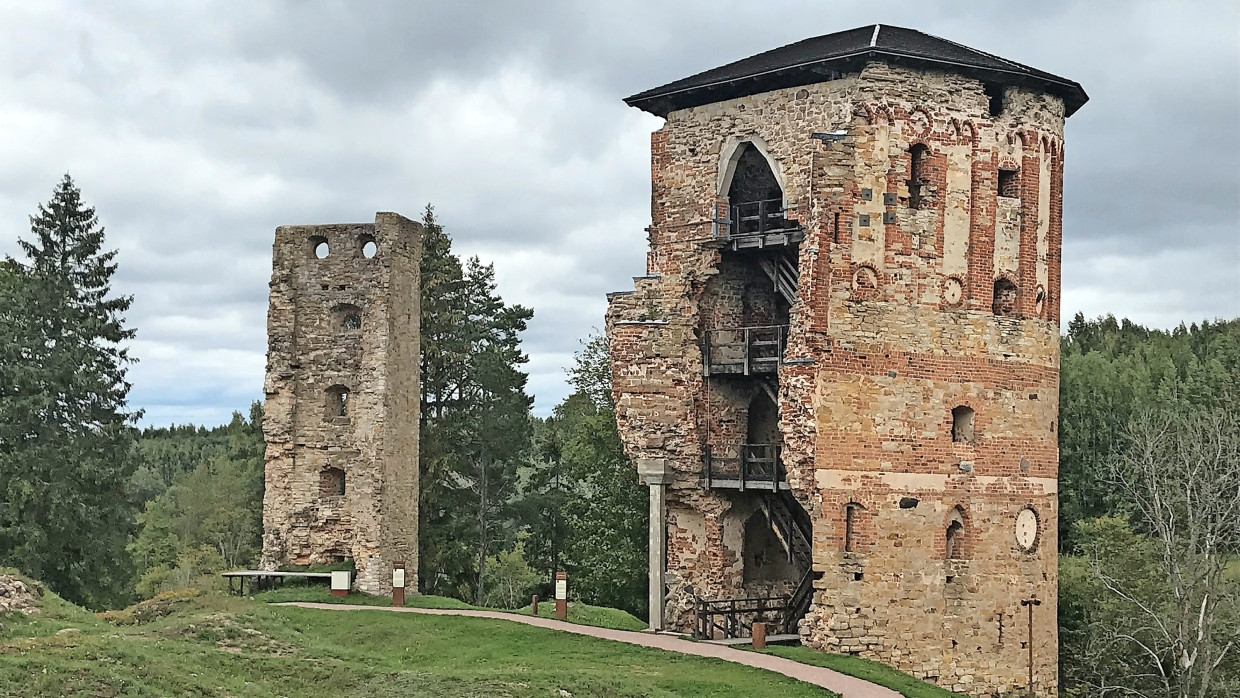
475	426
497	413
598	530
66	434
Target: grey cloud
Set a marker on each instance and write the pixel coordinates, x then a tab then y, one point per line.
196	129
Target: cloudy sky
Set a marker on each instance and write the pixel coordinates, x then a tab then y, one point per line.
195	128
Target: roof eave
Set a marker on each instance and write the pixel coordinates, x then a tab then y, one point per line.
662	102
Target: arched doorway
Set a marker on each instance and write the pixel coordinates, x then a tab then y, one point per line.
755	197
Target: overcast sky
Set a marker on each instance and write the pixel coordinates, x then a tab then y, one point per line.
195	128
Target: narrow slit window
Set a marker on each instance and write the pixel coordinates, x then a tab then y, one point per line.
1009	183
962	424
850	528
337	401
919	175
955	536
994	99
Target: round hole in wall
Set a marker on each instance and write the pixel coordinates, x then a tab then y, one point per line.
369	248
953	291
321	250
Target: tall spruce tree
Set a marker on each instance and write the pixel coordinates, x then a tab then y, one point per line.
496	407
65	430
444	551
475	424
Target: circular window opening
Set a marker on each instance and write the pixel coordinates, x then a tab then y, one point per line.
369	248
321	250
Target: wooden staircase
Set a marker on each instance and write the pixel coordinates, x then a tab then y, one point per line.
795	530
783	272
726	620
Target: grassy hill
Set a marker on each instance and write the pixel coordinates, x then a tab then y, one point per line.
583	614
187	643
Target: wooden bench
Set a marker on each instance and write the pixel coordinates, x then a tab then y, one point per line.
266	579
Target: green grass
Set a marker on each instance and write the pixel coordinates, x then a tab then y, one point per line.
55	614
874	672
586	614
578	612
216	645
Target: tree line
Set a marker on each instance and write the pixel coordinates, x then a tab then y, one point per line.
1149	525
106	513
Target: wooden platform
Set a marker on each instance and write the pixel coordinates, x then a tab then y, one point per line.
724	483
776	239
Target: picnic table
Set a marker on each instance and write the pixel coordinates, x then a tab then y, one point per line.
265	579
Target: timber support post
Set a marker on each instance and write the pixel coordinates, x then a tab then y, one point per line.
1030	603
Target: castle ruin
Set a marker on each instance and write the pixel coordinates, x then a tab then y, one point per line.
341	416
839	376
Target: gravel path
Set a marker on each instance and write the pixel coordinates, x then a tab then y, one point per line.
845	685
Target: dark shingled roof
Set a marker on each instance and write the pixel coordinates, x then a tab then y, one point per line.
819	59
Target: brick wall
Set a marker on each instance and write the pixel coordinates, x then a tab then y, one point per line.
893	327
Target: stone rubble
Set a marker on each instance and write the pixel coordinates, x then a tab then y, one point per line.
17	596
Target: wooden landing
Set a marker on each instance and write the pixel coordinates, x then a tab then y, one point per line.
778	239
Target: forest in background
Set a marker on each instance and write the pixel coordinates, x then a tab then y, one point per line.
107	513
506	497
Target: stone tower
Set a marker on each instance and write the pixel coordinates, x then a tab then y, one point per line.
839	376
341	419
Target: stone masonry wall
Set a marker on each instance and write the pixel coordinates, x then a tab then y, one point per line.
893	328
344	322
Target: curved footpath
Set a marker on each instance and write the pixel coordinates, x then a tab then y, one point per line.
846	686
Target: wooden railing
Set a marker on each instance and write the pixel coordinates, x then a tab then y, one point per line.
743	467
727	618
722	619
744	350
758	218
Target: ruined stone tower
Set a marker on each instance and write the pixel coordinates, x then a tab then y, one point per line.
341	419
840	373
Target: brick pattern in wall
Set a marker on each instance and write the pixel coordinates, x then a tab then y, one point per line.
893	327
